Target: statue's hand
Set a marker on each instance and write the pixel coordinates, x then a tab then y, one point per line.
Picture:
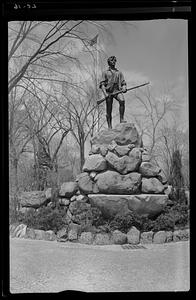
124	89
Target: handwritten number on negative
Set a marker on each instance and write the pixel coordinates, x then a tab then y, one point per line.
19	6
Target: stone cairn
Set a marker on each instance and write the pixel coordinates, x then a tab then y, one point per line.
118	176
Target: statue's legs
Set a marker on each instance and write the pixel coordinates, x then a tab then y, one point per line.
120	98
109	104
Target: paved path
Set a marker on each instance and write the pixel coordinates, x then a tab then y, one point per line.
42	266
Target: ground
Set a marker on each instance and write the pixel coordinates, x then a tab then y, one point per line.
42	266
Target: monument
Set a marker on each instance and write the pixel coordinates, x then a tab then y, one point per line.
118	175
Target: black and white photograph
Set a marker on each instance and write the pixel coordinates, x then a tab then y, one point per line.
98	134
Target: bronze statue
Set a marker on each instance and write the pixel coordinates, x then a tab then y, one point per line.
112	82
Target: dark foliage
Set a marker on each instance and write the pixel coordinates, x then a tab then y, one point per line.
97	216
46	218
175	215
172	217
176	179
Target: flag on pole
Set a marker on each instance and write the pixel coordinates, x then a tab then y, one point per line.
93	41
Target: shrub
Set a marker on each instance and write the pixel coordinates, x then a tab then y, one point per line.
169	219
179	196
123	222
97	217
46	218
164	222
172	217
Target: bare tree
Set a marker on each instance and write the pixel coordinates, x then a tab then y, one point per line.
151	115
174	139
45	48
40	55
38	50
80	112
49	130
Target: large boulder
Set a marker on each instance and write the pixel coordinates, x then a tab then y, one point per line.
142	204
122	134
86	184
33	199
123	150
147	205
94	162
111	182
68	189
148	169
124	164
152	185
109	205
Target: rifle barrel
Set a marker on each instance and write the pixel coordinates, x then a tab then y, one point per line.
137	86
118	92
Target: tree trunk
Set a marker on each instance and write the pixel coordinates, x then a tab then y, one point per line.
16	205
82	158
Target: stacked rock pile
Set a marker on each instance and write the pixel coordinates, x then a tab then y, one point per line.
118	174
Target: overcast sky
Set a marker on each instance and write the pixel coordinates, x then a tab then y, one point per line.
157	49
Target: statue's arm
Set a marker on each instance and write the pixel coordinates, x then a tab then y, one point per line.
103	84
123	83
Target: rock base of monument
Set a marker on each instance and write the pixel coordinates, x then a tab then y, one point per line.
147	205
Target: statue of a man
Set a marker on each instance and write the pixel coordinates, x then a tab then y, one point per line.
112	81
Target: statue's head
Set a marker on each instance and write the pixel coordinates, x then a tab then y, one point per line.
112	61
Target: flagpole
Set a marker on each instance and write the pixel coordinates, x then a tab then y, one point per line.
97	63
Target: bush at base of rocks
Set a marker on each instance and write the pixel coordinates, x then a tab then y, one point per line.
84	214
172	217
176	216
124	222
45	218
